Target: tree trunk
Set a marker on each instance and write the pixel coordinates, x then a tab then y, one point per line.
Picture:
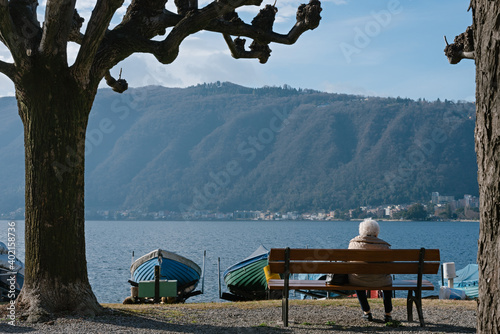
54	111
487	55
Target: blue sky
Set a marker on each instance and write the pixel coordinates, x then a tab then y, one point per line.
368	47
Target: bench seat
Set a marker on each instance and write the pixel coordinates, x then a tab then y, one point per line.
277	284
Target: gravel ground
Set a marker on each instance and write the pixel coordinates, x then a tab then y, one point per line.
311	316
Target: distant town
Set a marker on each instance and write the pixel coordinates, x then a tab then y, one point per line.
440	207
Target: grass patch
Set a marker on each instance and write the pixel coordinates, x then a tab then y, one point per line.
149	310
330	323
306	324
394	323
341	302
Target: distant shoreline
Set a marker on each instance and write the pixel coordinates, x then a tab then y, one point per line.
288	220
262	220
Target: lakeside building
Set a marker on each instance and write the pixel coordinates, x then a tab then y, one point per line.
468	201
440	207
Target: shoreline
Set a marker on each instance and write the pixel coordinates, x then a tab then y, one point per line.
260	220
282	220
306	316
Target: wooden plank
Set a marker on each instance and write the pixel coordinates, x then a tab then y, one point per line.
367	255
277	284
297	267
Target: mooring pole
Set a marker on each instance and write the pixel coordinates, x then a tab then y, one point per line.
218	275
157	284
203	272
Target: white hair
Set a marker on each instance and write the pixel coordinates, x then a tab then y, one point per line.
369	227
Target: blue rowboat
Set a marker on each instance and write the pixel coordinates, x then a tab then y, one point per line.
172	267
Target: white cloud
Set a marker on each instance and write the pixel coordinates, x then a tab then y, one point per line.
203	57
5	54
72	52
6	86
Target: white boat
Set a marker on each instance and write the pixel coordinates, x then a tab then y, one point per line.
467	280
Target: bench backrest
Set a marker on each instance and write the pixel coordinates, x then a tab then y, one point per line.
349	261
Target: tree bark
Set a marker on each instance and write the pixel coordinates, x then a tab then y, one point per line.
487	54
54	111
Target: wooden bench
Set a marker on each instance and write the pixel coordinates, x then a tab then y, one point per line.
286	261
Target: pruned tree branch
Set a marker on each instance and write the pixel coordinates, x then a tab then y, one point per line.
98	24
143	20
20	27
265	19
75	35
166	51
140	12
237	48
461	48
7	69
57	27
119	85
5	22
260	31
184	6
147	19
308	17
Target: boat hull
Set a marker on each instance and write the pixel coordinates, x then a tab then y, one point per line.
246	279
172	267
10	267
249	281
9	291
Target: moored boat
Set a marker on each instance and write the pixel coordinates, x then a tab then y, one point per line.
246	279
172	267
467	280
319	294
11	274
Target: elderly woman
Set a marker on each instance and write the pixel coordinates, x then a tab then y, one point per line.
368	239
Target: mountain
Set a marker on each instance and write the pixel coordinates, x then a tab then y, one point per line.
226	147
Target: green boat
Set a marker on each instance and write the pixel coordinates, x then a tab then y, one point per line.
246	279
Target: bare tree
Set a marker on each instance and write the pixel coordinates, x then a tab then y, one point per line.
481	42
55	98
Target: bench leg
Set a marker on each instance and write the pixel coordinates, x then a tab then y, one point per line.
409	305
284	309
418	304
286	274
415	298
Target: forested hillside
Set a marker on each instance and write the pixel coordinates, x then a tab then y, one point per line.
226	147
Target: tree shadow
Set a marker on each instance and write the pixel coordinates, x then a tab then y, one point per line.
429	328
122	320
6	328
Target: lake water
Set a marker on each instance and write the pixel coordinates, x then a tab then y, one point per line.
110	245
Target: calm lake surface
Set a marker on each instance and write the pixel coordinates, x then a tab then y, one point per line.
110	245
